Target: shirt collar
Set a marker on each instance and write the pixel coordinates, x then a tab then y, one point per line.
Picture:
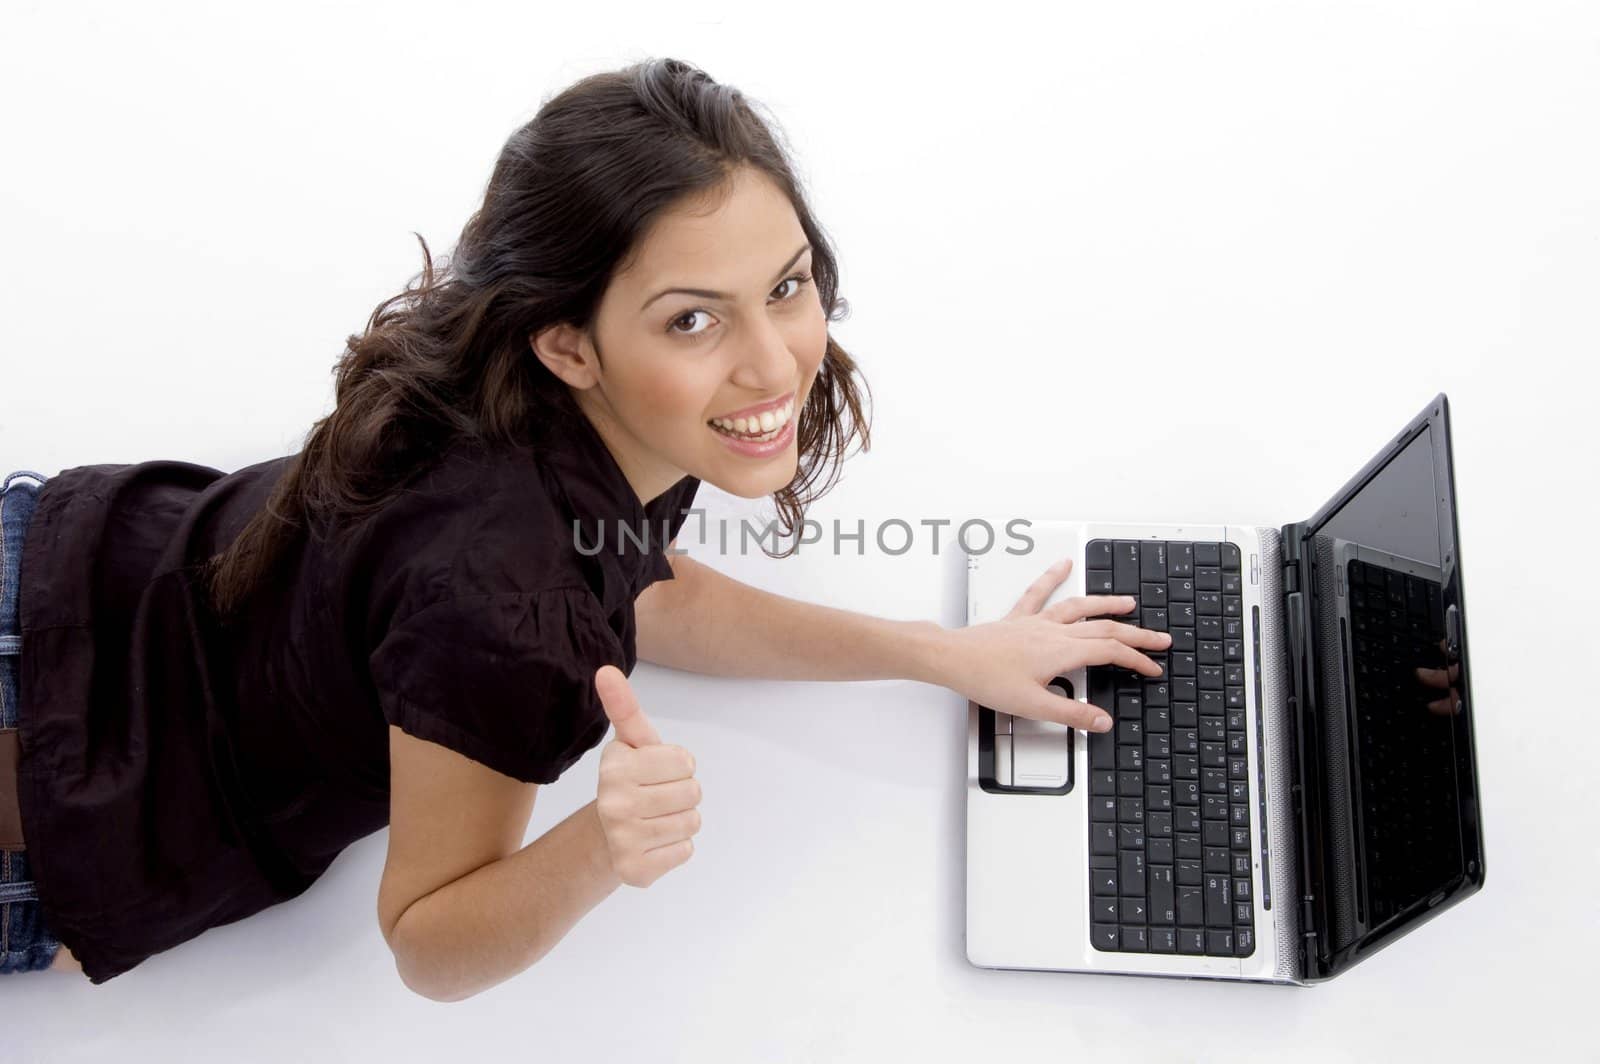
596	494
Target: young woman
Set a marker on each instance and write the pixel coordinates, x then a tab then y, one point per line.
218	682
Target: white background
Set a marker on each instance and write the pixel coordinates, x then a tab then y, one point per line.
1189	262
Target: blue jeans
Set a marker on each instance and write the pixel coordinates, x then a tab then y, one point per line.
26	945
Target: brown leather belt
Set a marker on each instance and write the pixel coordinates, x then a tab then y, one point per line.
10	812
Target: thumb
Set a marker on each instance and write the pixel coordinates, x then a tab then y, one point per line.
622	708
1057	707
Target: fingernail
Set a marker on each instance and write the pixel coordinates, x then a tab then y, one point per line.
1128	599
1102	723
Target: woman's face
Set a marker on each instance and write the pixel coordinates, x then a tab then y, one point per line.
686	383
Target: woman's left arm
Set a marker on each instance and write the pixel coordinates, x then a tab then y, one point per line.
704	621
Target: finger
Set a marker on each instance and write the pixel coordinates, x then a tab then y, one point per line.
1113	652
622	708
1448	706
1078	607
1433	678
1069	711
1041	588
1130	634
663	859
674	796
662	763
661	830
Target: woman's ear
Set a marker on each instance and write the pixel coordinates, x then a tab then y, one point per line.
565	351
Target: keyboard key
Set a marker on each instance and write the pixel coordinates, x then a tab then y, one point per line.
1132	911
1133	940
1153	561
1190	906
1244	942
1180	559
1219	907
1191	940
1230	556
1130	875
1189	874
1164	940
1102	838
1218	943
1097	555
1125	567
1207	554
1104	936
1163	906
1188	847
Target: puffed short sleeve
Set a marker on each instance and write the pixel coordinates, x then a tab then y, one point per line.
505	679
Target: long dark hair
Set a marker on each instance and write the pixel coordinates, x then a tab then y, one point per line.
570	197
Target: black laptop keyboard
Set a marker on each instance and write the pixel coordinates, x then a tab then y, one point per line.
1169	794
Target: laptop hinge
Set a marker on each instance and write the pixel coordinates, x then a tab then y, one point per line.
1291	575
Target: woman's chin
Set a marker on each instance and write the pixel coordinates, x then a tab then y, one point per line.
754	483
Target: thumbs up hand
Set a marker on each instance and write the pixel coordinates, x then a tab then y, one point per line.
647	793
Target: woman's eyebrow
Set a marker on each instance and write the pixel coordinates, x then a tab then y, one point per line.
705	293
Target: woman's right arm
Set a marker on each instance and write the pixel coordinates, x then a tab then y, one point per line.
503	906
499	919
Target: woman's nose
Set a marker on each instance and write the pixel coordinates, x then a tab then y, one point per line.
768	366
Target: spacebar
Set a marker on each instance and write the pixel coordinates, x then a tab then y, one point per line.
1103	693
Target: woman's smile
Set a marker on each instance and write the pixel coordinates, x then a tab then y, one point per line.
758	431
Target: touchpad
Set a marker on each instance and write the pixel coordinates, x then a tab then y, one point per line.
1040	750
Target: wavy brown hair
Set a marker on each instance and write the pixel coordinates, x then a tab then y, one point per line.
571	195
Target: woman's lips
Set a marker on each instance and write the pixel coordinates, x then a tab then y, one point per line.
756	411
759	448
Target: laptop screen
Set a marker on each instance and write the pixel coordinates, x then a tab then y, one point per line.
1400	826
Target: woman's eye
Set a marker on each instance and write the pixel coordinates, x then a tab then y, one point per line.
800	279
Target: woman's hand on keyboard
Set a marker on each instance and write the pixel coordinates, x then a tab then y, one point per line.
1005	664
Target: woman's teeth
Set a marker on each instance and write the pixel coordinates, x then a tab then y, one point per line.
764	426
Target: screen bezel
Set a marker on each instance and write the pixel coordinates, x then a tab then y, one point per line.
1323	962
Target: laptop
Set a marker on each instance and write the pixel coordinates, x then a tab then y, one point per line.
1295	791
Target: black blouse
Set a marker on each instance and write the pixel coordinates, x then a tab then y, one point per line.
175	775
